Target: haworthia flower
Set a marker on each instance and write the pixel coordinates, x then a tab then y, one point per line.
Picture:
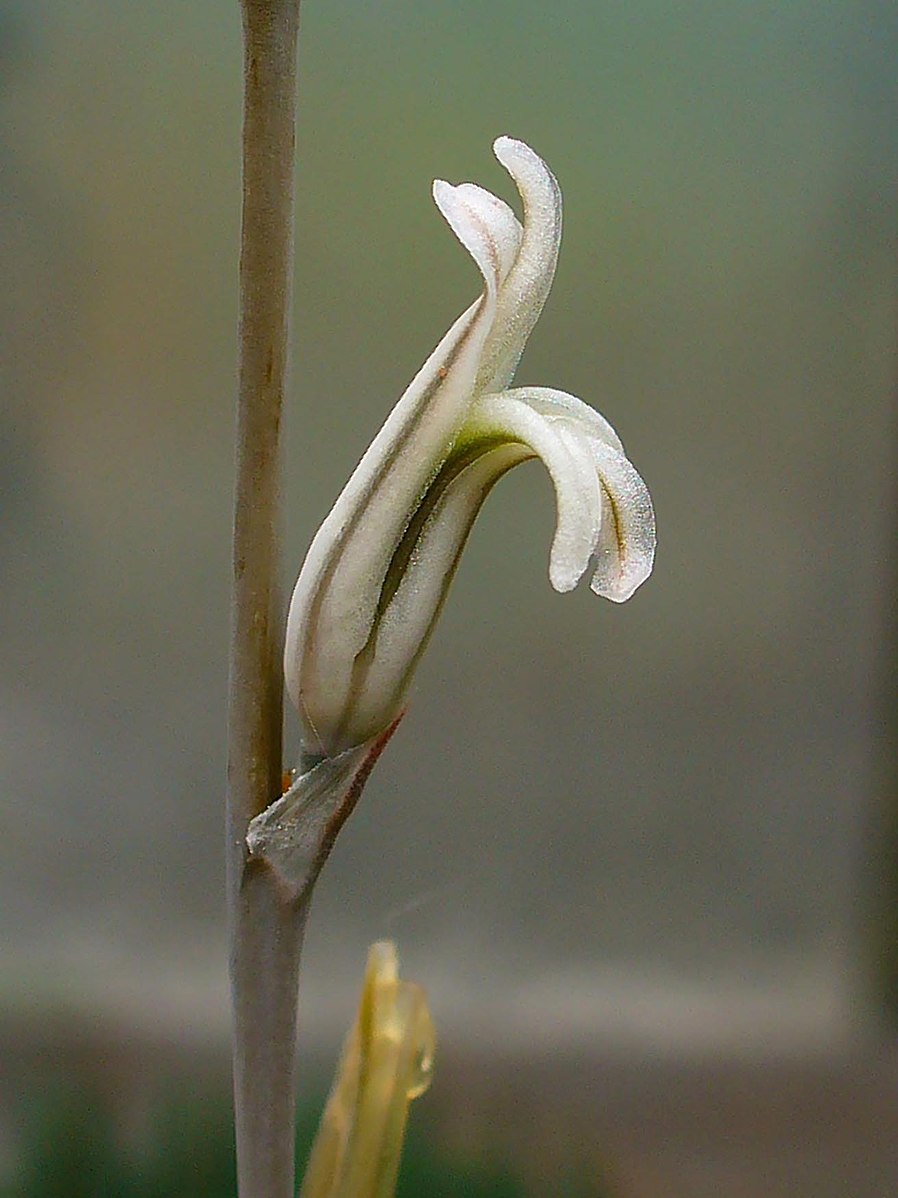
377	572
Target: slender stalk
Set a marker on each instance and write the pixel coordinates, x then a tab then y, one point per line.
265	925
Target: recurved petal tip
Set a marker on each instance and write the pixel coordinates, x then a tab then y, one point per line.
504	146
536	183
625	553
504	227
481	227
508	149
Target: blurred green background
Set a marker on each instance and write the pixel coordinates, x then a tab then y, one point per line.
625	849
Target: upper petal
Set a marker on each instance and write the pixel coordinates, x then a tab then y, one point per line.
484	224
524	291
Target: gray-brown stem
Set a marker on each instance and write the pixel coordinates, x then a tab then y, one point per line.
265	929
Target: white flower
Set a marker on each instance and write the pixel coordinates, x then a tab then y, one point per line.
377	572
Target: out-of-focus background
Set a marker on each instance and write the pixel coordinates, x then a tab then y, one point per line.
629	850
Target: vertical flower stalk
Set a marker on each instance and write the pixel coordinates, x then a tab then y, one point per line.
265	927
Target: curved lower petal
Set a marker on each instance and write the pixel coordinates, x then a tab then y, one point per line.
566	455
603	506
553	403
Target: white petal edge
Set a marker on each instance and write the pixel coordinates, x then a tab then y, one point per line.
551	402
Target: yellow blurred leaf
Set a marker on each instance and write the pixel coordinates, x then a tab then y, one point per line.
387	1060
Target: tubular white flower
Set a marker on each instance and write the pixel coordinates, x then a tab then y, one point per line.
377	572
